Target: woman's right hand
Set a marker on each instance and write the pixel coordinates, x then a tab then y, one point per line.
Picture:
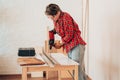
57	45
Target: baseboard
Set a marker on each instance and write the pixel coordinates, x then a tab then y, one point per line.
13	75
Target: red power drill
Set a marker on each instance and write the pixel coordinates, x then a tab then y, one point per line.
51	38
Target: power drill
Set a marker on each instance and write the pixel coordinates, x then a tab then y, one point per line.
51	38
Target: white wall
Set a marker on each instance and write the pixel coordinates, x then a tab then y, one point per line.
104	39
23	24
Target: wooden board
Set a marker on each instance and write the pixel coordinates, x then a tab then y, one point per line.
30	61
62	59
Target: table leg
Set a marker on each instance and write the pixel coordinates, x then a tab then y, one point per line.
24	73
47	72
76	72
59	75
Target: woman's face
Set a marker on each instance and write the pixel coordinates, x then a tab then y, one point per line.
55	17
51	17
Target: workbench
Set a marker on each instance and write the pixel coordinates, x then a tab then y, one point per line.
54	62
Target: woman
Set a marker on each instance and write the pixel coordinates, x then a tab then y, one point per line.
68	30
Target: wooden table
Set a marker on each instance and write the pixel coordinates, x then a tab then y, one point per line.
46	67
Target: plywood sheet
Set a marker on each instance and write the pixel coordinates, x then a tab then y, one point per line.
30	61
63	59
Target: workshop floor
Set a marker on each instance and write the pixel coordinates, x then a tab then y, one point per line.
52	76
18	77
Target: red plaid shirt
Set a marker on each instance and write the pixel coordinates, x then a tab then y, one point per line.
68	29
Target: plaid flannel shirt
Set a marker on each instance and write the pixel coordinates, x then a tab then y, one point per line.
69	31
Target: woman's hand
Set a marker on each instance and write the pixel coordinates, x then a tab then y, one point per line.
58	45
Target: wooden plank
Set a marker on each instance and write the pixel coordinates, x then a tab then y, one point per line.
76	72
63	59
24	73
48	62
30	61
48	55
59	74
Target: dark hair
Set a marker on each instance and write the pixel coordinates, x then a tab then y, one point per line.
52	9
